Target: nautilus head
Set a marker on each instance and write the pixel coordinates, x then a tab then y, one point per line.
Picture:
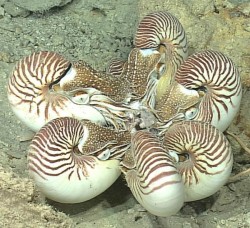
152	176
217	80
204	157
176	100
73	161
82	75
163	31
141	71
32	97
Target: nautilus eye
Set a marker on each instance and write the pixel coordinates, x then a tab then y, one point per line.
32	91
63	159
217	78
205	157
163	31
152	176
191	113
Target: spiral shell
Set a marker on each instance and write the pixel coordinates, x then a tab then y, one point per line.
152	176
31	95
163	31
205	157
214	75
70	160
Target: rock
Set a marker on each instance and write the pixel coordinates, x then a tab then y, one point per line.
15	11
39	6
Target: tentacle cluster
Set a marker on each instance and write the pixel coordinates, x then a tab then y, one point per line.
158	117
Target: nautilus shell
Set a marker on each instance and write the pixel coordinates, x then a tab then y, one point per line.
217	80
204	158
163	32
152	176
32	97
73	161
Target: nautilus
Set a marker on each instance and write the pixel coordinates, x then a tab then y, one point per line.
31	95
193	162
204	157
152	176
217	80
39	91
72	161
163	32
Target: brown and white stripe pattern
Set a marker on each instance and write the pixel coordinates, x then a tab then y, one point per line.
161	28
152	176
205	157
116	67
62	164
216	77
163	31
31	95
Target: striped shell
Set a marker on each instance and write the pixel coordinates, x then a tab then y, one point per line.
116	67
31	95
216	76
70	161
152	176
205	157
163	31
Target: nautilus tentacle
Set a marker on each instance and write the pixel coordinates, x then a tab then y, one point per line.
31	94
216	76
152	176
205	157
63	165
163	31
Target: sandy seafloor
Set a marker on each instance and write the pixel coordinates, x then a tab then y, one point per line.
98	31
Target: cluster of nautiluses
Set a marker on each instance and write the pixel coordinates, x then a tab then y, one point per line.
157	118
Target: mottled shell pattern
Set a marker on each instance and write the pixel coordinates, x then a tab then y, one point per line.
157	117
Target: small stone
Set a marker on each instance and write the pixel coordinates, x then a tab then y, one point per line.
57	40
131	211
18	30
1	12
246	26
